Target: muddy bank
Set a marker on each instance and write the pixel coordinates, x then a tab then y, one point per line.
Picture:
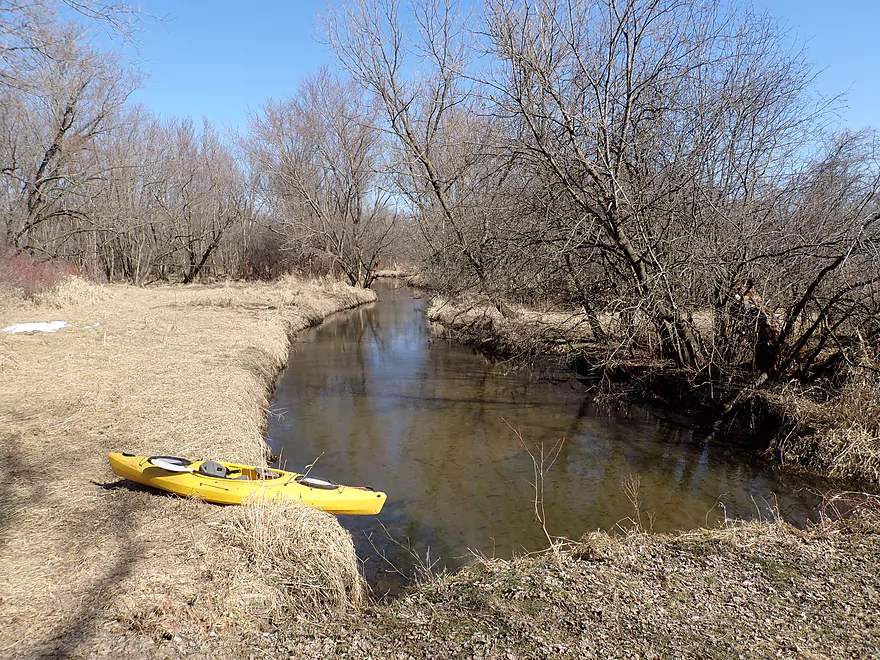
92	564
831	431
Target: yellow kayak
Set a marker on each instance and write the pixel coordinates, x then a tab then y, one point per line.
230	483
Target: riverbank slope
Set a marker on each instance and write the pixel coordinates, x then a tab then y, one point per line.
830	427
747	590
92	564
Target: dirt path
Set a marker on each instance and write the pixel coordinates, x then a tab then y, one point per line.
90	564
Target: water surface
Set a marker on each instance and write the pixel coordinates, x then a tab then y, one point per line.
372	398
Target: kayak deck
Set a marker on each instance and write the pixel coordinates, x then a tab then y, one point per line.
233	483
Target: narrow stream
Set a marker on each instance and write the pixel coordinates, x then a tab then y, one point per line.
372	399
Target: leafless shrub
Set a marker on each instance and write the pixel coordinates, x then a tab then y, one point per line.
424	569
631	486
851	509
541	466
23	275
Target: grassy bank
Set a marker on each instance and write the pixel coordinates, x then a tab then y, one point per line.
89	564
829	429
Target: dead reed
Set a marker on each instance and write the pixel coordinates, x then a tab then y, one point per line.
306	556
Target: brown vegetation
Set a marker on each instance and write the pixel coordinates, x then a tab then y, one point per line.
660	168
757	590
92	565
834	433
650	162
318	157
88	558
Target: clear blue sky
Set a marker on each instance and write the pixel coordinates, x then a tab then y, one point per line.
216	58
841	39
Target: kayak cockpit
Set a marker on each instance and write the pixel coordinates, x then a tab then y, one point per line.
248	472
213	469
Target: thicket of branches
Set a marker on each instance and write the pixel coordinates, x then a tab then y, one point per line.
662	166
89	177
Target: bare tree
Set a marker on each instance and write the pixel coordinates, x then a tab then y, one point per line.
31	31
73	97
813	276
87	178
662	125
419	79
647	160
200	199
320	156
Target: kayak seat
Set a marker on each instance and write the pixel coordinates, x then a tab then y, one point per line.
263	473
213	469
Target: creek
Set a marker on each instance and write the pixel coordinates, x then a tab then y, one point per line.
373	397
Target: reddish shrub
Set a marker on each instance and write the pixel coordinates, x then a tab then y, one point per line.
20	271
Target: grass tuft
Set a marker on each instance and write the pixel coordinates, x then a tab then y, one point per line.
304	553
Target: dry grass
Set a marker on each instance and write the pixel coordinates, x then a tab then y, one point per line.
308	558
92	566
751	590
170	370
839	435
527	332
544	330
849	453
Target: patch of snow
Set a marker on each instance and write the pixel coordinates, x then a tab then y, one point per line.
43	326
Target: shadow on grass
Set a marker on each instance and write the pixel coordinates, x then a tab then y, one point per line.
95	595
19	485
86	545
132	486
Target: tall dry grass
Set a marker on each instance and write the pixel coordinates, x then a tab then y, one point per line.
181	370
527	332
838	437
305	555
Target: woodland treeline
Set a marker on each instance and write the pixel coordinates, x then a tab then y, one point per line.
663	167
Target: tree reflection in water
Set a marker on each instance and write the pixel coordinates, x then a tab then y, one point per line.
384	404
